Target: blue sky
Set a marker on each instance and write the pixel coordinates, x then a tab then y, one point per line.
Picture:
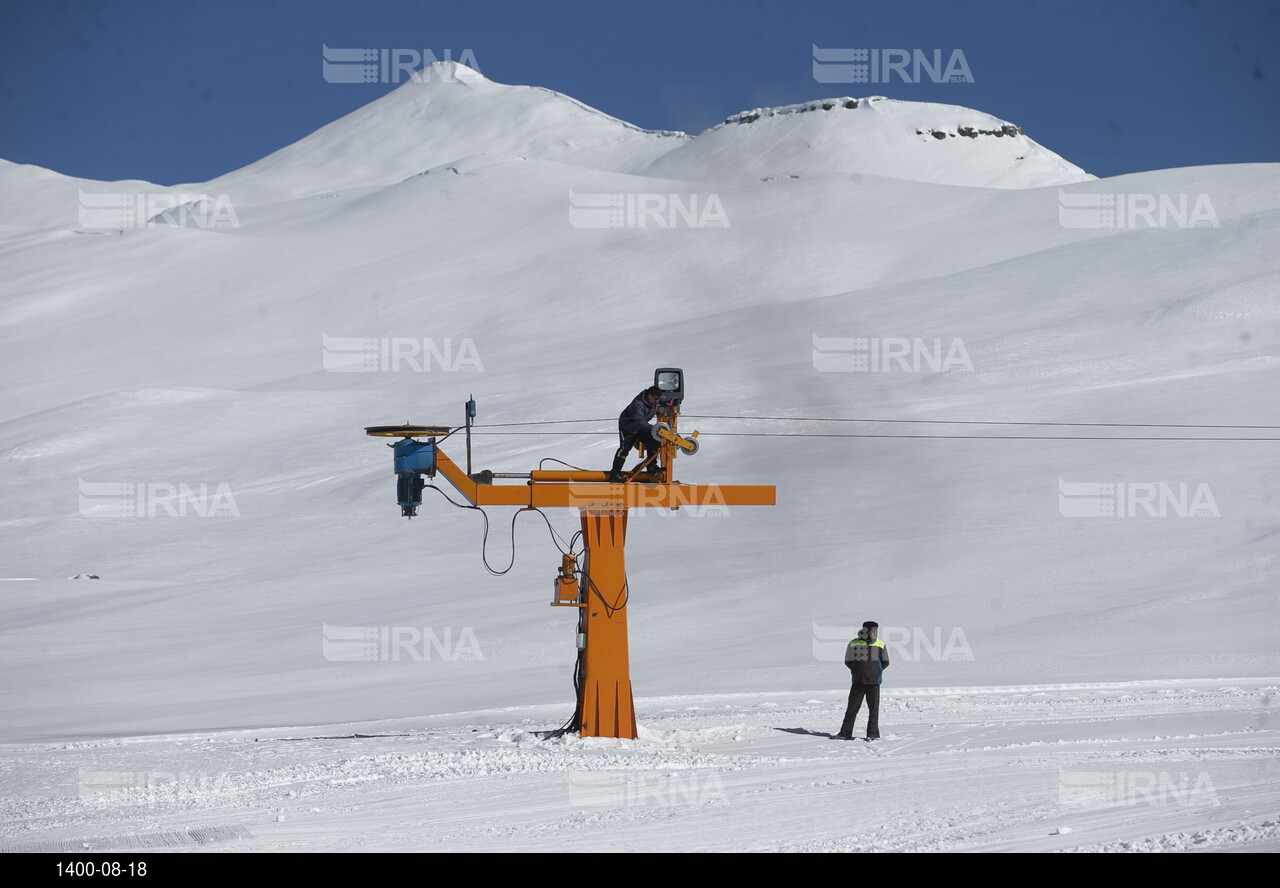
185	90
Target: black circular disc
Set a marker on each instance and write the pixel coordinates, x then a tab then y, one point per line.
406	431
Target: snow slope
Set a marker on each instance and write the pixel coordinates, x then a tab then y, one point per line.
1147	767
450	211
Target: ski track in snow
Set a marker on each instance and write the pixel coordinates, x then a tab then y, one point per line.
1157	768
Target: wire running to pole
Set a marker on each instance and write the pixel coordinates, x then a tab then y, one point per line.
709	434
556	539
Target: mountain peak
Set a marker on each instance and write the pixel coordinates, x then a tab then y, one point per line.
446	71
875	135
445	112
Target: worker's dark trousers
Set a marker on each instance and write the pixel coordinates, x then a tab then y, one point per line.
856	695
627	441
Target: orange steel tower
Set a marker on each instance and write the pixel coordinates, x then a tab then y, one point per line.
598	588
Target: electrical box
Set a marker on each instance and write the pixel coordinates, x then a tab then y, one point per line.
565	593
413	459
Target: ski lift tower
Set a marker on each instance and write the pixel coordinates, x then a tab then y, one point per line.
597	587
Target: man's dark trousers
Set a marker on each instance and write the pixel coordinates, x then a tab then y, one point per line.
856	695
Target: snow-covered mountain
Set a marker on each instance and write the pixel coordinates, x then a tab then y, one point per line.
895	278
450	113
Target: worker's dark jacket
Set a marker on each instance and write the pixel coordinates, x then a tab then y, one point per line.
635	418
866	661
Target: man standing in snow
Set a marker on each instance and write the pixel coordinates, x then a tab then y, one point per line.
633	428
867	658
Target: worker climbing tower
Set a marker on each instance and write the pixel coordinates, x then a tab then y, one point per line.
594	581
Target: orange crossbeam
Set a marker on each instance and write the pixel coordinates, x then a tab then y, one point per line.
597	494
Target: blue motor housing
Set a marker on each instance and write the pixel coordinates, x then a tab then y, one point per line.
413	459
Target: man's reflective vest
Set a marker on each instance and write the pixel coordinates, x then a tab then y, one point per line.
867	661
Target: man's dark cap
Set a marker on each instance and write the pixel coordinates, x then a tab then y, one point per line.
871	624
